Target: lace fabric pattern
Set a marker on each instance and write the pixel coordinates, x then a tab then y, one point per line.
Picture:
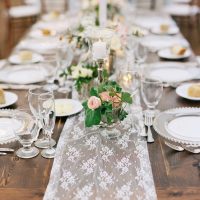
90	166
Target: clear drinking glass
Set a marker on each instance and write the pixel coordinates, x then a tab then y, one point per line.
140	53
151	91
52	64
64	59
47	119
128	80
26	134
33	99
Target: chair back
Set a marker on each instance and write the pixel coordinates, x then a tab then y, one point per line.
54	5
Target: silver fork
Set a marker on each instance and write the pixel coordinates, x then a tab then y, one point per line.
148	121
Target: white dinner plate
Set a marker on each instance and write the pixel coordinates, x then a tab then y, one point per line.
182	91
24	74
66	107
46	45
172	72
173	30
8	125
180	128
167	54
15	59
158	42
39	35
49	17
10	99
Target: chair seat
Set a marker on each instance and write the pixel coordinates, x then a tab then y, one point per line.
24	11
182	10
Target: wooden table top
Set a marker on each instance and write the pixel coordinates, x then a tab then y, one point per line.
176	174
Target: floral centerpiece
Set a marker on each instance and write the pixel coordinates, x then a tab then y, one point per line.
82	73
106	104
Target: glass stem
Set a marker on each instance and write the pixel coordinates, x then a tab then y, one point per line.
27	147
49	138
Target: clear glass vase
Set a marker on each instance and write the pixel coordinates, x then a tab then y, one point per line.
84	92
108	128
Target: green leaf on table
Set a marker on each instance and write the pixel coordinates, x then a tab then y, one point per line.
126	97
93	117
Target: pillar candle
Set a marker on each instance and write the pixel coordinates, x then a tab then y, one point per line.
103	12
99	50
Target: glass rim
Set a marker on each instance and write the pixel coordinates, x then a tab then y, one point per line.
151	80
48	96
38	94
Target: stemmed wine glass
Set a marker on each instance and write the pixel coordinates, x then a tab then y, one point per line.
151	91
64	57
26	133
140	55
33	99
47	120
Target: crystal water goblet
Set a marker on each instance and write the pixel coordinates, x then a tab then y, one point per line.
47	119
151	91
26	133
33	99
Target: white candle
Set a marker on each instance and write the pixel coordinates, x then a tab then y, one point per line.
99	50
103	12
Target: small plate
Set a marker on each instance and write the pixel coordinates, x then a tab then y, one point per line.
167	54
10	98
173	30
182	91
67	107
15	59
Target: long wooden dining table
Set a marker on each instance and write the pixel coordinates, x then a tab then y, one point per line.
176	174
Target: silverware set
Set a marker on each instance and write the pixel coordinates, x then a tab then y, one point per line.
148	121
5	151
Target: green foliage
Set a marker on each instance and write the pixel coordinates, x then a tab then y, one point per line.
107	112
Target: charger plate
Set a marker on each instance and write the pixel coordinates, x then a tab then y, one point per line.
180	128
7	126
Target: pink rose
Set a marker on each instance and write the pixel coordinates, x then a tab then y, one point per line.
105	96
94	102
116	100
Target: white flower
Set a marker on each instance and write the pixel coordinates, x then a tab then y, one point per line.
75	74
86	72
115	43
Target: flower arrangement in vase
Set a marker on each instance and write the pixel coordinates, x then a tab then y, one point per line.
106	104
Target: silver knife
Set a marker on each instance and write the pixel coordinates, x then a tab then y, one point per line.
2	154
6	150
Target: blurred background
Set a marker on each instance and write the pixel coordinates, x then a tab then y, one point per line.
16	16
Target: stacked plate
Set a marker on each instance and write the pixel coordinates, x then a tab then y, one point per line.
180	128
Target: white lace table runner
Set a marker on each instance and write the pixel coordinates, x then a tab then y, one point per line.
89	166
